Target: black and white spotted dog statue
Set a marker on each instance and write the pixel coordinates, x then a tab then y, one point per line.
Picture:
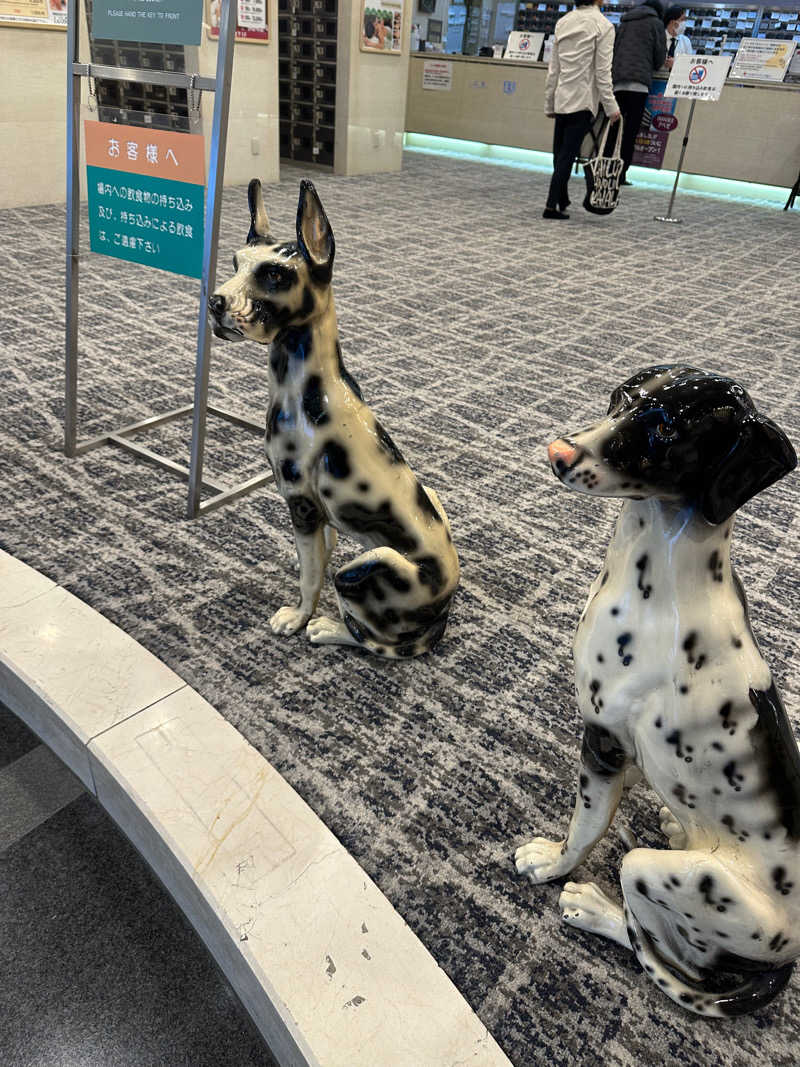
334	464
670	679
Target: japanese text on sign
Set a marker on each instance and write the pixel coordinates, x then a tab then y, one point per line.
138	210
698	77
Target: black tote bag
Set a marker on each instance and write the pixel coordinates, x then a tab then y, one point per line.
603	174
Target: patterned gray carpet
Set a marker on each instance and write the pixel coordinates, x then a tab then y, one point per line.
478	332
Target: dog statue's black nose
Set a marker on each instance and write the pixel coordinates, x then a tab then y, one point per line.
216	305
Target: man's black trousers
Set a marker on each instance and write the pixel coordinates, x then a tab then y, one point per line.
567	139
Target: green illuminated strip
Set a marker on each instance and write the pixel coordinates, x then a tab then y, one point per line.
644	177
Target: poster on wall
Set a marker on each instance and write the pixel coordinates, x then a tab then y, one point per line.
41	14
382	28
251	21
657	122
764	59
524	46
437	74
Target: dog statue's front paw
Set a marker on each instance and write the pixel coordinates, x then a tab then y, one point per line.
543	860
288	620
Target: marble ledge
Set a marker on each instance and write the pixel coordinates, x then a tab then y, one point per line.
278	898
326	967
68	672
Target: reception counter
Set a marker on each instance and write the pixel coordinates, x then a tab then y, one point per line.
751	134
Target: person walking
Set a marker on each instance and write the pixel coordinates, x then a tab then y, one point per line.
578	81
640	49
678	44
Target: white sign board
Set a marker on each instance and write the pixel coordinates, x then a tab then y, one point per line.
763	59
525	46
437	74
698	77
548	48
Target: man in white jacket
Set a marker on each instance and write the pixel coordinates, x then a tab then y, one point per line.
578	81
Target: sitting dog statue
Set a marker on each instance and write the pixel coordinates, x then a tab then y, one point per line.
670	680
334	463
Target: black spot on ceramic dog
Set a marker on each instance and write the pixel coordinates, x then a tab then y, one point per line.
335	464
695	709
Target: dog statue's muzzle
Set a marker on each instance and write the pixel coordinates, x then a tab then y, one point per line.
217	307
563	456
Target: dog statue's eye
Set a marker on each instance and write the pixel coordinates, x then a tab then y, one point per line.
665	430
267	276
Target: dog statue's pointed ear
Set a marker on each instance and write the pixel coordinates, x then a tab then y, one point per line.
761	455
314	233
259	222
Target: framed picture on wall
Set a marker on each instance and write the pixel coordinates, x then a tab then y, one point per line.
251	22
434	31
382	27
36	14
426	7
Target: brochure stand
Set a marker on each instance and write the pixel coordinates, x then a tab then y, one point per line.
220	86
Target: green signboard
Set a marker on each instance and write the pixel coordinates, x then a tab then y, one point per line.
146	220
156	21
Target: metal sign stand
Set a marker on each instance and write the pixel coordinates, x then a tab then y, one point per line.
669	217
220	86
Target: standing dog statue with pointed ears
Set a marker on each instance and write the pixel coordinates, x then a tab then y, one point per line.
334	463
670	679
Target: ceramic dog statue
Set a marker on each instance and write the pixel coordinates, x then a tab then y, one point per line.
334	463
670	679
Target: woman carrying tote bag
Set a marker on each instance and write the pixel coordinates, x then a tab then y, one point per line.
578	81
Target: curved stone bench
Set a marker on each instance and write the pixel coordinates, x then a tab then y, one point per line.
326	967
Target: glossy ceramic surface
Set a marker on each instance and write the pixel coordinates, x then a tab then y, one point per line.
670	680
334	463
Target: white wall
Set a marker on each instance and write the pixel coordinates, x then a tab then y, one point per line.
33	79
370	98
253	107
33	84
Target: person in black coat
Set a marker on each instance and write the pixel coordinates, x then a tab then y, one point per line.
640	49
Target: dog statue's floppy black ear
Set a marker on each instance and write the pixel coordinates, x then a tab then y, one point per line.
314	233
259	223
762	454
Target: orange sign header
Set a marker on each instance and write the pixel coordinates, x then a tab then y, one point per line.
139	150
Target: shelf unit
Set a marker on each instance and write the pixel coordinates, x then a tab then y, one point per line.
706	24
307	51
137	103
779	25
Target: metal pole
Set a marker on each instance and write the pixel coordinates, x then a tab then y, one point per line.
73	230
216	171
669	217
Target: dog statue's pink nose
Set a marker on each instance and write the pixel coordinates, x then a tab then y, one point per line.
562	454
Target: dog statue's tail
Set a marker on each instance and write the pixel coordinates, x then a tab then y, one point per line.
753	994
